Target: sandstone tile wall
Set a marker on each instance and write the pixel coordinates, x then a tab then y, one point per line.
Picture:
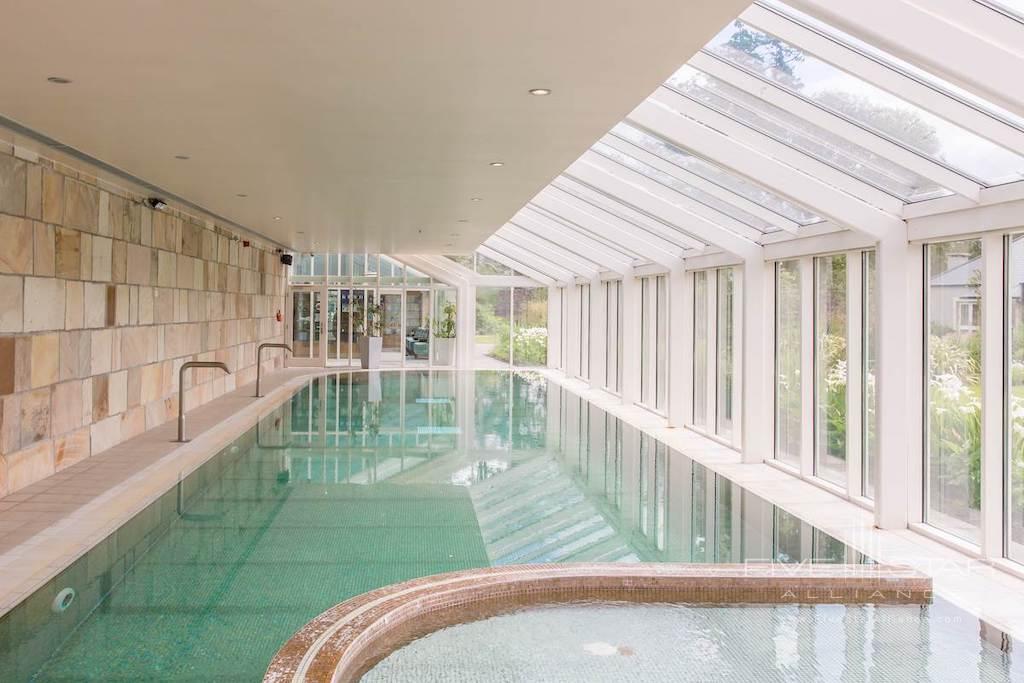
101	301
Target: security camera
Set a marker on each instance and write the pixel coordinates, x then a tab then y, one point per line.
156	203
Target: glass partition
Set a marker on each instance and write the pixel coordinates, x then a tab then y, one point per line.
700	348
530	326
725	345
830	363
953	399
1014	410
788	397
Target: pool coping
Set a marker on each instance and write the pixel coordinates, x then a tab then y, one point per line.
345	641
34	562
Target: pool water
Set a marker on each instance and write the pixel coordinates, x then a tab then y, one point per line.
738	644
365	479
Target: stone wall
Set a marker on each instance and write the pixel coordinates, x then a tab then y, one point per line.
101	301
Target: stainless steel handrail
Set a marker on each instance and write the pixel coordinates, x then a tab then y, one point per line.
259	366
181	389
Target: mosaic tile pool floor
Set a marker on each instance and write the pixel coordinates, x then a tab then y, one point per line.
617	643
366	479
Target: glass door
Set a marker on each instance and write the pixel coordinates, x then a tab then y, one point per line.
305	325
417	327
339	325
359	300
391	327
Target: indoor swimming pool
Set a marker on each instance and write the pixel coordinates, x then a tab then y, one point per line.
361	480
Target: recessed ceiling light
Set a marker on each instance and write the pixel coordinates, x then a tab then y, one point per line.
463	220
475	199
299	232
277	218
497	163
242	195
183	157
448	244
59	80
540	92
454	234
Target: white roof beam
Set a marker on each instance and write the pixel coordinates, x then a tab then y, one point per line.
659	200
799	178
684	201
557	271
631	214
768	146
717	191
798	106
613	229
539	224
552	252
540	277
963	42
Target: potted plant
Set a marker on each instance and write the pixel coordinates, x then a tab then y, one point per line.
444	336
370	343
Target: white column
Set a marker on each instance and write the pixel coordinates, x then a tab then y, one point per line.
900	286
465	325
555	359
680	346
598	334
753	376
992	389
630	338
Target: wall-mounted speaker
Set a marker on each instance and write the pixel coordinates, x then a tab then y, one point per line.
286	259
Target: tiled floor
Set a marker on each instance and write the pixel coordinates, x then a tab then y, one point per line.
993	595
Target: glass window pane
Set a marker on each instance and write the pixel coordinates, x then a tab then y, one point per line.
795	70
830	368
794	131
612	339
870	368
530	326
584	330
724	349
493	327
661	348
788	397
700	348
645	341
953	434
485	265
714	174
1015	398
464	260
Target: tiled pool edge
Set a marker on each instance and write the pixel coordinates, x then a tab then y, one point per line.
346	640
54	549
994	596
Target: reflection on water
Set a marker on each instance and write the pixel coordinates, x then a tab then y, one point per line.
366	479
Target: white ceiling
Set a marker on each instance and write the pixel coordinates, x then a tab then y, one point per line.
365	125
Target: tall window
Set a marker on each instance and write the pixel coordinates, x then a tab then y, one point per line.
830	363
700	348
584	328
653	349
613	335
1014	466
725	344
869	366
788	399
953	397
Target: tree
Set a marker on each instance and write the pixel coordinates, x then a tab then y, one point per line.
899	123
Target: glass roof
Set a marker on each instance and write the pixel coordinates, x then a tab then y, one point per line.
1015	7
714	174
543	214
684	188
807	137
897	64
803	74
600	201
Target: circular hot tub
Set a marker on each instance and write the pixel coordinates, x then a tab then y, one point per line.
348	640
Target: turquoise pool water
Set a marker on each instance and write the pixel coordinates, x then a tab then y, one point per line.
365	479
615	643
